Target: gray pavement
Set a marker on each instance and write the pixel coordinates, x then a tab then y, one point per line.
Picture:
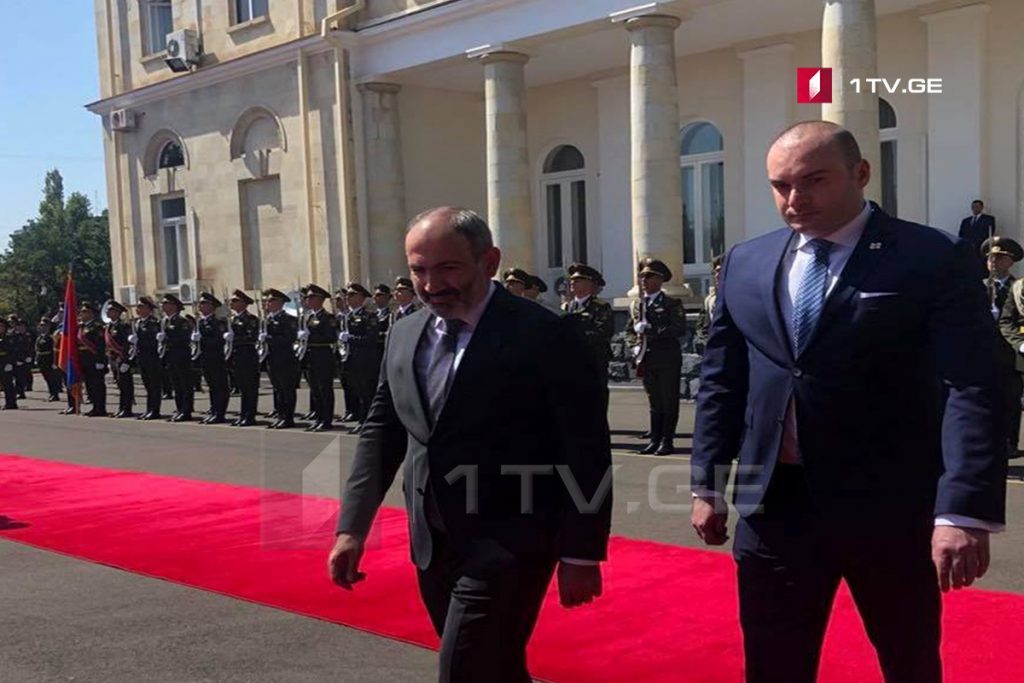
69	620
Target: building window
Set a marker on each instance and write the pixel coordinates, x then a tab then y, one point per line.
565	196
247	10
157	22
171	156
702	157
174	241
887	136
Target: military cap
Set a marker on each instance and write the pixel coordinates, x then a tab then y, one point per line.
316	290
145	301
46	319
12	318
717	261
516	275
239	295
171	299
340	293
581	271
276	294
356	288
87	306
382	288
997	245
402	283
207	297
652	266
115	306
537	283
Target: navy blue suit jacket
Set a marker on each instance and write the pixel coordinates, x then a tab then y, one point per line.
979	232
896	396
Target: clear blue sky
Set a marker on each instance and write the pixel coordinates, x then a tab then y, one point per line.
48	71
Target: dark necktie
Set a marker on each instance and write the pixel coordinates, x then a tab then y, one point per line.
440	367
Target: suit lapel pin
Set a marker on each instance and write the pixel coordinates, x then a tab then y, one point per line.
875	246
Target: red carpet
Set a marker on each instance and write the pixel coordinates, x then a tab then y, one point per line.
669	613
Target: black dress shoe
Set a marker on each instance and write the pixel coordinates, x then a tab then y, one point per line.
96	413
10	407
309	416
127	414
53	399
68	411
645	435
666	448
216	420
348	417
21	394
182	417
152	416
650	448
285	424
272	415
246	422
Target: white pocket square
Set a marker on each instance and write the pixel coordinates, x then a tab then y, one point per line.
877	295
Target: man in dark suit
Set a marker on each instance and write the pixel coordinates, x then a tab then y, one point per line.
851	366
447	410
977	228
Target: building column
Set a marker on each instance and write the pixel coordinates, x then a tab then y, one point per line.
509	207
385	181
767	111
656	178
850	49
957	53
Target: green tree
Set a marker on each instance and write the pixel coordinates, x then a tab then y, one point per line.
34	267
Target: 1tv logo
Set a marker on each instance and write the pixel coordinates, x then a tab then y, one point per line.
814	85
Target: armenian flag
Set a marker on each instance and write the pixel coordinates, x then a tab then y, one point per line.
68	352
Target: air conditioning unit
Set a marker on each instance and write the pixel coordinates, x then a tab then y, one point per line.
128	295
188	291
182	50
122	119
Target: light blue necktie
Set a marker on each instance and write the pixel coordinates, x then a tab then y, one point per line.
810	297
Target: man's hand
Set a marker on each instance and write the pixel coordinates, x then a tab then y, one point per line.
709	522
578	584
961	556
343	563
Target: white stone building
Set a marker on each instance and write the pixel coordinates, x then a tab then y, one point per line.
598	130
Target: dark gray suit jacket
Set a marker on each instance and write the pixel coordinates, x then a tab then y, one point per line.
525	394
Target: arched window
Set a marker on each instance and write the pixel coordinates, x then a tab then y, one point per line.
702	157
565	204
257	130
171	155
887	136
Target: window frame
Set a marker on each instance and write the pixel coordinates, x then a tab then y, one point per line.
150	41
889	136
571	244
181	271
697	270
252	18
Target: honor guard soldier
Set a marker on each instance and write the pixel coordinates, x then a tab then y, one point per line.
516	280
382	300
656	323
282	365
45	358
1005	297
7	369
176	337
21	345
707	311
320	334
405	300
116	337
534	288
209	335
593	317
144	348
92	358
359	342
348	396
245	363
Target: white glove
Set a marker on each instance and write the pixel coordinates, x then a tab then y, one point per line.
29	359
160	336
303	334
133	339
262	337
197	336
229	335
344	337
123	367
100	366
640	327
8	368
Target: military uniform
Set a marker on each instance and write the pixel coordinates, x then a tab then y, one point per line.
362	366
1006	298
7	359
21	347
282	365
46	360
403	312
145	337
383	316
348	396
177	332
595	321
657	322
116	336
211	361
92	358
244	361
321	337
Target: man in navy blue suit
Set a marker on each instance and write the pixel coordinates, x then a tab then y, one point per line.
977	228
850	367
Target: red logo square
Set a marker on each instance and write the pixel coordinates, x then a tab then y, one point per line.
813	85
